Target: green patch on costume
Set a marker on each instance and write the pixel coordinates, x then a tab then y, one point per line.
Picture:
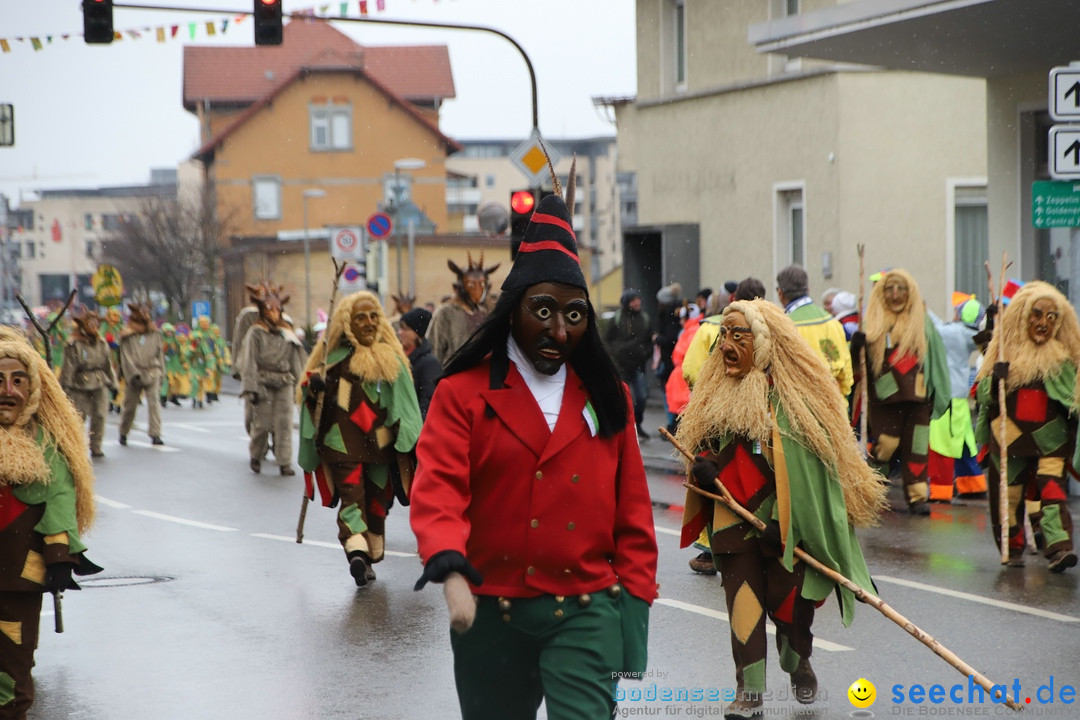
338	354
920	440
1016	466
789	659
1052	530
378	474
334	441
7	689
351	517
829	349
885	386
1051	436
754	677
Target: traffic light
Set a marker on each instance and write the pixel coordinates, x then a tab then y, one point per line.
267	22
522	204
97	22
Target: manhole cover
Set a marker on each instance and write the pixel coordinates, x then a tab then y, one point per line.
121	581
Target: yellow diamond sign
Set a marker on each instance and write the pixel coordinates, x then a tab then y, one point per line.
528	157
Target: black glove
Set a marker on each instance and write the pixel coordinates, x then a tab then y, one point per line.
770	536
445	562
254	398
858	342
1001	370
991	312
705	472
316	383
58	577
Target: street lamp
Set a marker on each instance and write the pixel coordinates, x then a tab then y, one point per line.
310	193
399	165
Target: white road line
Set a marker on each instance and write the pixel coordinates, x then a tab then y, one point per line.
188	426
977	598
317	543
111	503
819	644
158	448
668	531
184	521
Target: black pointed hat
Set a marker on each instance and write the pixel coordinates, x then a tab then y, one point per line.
548	251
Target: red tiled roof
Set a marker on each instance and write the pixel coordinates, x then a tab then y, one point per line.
243	75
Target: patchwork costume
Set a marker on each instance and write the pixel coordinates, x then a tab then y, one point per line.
1040	429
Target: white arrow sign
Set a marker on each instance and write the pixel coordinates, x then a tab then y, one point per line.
1065	94
1064	150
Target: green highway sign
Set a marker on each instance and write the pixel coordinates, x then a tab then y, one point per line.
1055	204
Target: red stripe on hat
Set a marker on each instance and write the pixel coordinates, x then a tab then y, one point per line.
555	220
545	245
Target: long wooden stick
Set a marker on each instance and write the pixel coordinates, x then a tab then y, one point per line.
859	592
864	392
1003	442
339	270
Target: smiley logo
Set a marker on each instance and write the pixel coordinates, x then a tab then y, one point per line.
862	693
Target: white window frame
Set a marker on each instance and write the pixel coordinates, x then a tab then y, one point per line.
266	197
789	201
330	127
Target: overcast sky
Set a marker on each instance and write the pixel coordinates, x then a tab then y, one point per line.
91	116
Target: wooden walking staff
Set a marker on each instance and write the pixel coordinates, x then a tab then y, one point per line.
1003	442
316	418
864	392
860	593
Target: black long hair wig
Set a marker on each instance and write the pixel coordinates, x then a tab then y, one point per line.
590	360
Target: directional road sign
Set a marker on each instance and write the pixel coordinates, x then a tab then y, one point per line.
1064	151
1065	94
1055	204
379	225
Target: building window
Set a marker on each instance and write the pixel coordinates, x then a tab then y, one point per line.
90	249
88	221
790	227
111	222
331	127
16	249
679	26
489	181
266	197
972	240
31	250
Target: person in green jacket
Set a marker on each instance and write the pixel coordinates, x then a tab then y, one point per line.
46	505
359	423
767	419
1041	339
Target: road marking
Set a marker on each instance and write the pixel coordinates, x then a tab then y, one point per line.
317	543
159	448
977	598
819	644
184	521
188	426
668	531
111	503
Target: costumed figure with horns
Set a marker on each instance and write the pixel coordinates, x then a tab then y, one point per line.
454	321
767	418
142	365
1041	337
908	381
271	363
359	422
46	506
87	375
530	485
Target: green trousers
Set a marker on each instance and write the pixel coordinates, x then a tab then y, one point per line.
548	648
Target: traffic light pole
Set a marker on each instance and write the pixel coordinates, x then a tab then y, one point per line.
411	23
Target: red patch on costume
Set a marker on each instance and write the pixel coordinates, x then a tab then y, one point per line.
692	529
363	417
902	363
355	477
376	510
10	506
741	476
916	469
1052	491
325	492
1031	405
784	613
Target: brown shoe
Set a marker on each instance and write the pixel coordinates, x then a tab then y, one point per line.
1016	558
804	682
1061	561
255	465
287	470
703	564
745	706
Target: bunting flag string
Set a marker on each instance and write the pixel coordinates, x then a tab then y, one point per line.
211	28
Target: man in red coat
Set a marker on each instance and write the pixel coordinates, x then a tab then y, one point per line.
530	484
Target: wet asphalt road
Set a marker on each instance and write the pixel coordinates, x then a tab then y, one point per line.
209	609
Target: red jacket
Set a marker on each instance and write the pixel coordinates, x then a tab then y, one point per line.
535	511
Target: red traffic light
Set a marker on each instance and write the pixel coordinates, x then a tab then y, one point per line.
522	202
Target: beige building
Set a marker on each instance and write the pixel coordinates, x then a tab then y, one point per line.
746	162
1012	47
